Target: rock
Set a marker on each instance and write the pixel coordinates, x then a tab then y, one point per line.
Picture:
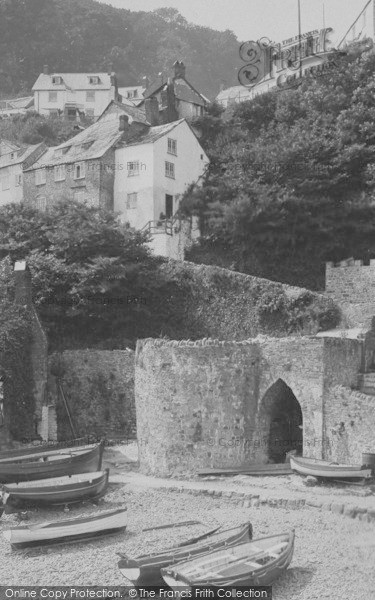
247	504
255	502
350	511
337	508
314	503
310	481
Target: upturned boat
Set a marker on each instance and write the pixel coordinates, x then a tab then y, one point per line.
259	562
78	529
57	490
145	569
331	470
83	460
255	469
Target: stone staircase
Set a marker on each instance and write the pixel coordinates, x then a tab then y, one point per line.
366	383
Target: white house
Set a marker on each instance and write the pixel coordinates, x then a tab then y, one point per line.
73	94
152	172
13	160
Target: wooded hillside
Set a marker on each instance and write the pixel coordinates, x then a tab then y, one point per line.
83	35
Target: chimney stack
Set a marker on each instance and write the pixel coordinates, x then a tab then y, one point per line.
110	68
45	70
145	82
152	110
22	283
179	69
123	123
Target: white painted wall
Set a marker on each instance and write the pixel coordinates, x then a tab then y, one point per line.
190	164
14	194
102	98
152	185
142	184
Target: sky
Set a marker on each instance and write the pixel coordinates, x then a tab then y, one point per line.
253	19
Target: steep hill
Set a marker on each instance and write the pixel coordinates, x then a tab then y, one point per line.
83	35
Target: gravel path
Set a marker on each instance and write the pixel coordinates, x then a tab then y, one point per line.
334	556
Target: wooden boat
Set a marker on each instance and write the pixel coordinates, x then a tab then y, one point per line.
256	469
84	460
259	562
42	452
323	468
145	569
103	523
58	490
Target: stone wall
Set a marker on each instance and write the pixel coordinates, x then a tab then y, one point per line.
99	388
352	285
97	183
212	403
349	425
235	306
201	404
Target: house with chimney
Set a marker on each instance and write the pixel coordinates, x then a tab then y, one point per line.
177	97
13	160
130	163
74	94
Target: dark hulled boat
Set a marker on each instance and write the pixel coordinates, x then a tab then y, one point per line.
57	490
145	569
259	562
83	460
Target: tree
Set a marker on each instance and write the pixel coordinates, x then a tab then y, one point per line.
292	174
94	278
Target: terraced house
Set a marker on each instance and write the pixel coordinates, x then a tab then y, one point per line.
127	163
13	160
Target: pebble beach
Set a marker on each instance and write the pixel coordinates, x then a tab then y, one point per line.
334	556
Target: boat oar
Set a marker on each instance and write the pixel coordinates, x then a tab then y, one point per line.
199	538
181	524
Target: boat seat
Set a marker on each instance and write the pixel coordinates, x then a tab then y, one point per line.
251	563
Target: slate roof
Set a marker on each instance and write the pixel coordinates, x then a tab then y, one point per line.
154	133
90	144
182	88
74	81
23	153
133	112
19	103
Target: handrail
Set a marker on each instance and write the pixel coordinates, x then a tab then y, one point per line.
161	226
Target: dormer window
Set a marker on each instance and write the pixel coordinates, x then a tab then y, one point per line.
57	80
94	80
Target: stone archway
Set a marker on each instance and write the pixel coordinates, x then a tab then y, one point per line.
280	421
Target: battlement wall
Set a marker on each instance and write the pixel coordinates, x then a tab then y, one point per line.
351	284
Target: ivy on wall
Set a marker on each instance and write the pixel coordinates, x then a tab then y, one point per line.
15	359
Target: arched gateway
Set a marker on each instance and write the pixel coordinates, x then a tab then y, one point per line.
280	422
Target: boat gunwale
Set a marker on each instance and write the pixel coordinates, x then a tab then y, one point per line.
285	554
158	558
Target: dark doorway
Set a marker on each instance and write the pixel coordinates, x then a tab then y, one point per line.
282	422
168	206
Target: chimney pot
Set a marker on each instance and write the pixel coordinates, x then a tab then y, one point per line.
123	122
45	70
179	69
